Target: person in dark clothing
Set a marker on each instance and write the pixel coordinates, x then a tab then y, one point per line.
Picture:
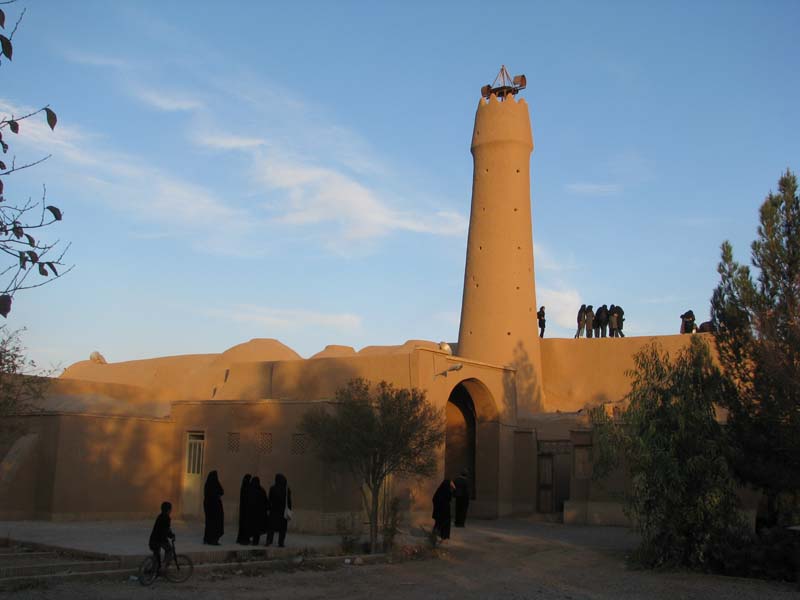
212	505
280	506
542	321
707	327
620	320
602	321
162	531
243	536
257	510
589	321
462	493
581	321
612	321
441	509
687	322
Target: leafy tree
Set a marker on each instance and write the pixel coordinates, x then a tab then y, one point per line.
21	222
19	388
375	433
682	499
758	342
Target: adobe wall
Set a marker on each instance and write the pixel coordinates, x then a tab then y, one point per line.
76	396
587	372
88	467
112	467
28	467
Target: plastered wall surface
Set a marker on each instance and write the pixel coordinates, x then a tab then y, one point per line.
587	372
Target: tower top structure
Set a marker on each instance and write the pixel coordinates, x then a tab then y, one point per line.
504	85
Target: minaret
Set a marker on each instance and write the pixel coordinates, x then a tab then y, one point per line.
498	310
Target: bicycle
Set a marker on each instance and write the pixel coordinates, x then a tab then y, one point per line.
176	568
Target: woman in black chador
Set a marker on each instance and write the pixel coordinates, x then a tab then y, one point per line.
243	537
280	506
461	494
441	509
212	504
257	508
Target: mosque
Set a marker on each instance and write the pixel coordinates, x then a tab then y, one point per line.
114	440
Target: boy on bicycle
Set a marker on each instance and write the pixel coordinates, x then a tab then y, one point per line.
161	534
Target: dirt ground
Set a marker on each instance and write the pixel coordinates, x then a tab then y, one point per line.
501	559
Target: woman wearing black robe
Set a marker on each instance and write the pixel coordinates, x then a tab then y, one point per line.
441	509
280	498
461	494
212	504
243	537
257	508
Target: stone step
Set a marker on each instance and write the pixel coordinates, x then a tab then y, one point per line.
7	557
22	581
51	567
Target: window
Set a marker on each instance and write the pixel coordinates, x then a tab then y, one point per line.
194	452
264	442
299	443
234	441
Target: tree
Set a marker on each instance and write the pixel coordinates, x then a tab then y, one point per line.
758	342
20	390
375	433
20	222
682	499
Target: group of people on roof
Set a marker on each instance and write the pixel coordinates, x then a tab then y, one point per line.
606	321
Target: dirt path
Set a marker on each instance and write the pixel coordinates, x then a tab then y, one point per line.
505	559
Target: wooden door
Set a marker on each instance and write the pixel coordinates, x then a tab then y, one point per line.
192	496
545	487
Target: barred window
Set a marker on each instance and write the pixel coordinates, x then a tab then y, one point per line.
299	443
264	443
195	443
234	441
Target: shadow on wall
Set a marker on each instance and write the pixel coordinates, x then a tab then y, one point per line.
523	384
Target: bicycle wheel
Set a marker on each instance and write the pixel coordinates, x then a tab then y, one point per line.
147	571
179	569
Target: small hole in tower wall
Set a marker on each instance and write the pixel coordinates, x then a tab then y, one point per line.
508	333
515	210
517	170
487	170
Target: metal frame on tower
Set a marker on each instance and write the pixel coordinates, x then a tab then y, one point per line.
504	84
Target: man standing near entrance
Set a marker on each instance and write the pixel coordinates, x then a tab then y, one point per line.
462	497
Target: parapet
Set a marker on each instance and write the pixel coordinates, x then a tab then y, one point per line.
506	121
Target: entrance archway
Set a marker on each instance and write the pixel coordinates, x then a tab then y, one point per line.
472	441
460	435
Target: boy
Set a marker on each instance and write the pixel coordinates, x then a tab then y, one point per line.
161	533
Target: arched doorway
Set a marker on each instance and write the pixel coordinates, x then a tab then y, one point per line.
460	435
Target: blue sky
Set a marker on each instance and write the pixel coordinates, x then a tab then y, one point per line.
302	170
